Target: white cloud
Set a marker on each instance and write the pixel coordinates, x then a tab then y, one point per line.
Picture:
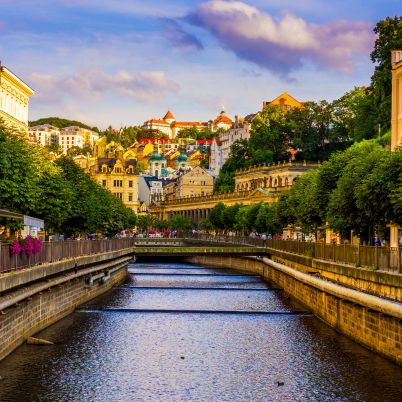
282	45
93	84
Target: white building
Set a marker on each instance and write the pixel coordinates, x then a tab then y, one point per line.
171	127
77	136
150	189
44	134
14	100
220	148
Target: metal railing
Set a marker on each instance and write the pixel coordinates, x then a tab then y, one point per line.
59	250
374	257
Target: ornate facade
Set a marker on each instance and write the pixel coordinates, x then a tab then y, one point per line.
14	100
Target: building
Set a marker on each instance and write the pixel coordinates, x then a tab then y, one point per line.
285	101
44	134
77	136
396	119
197	182
171	127
221	123
221	145
253	185
14	100
280	176
150	189
119	176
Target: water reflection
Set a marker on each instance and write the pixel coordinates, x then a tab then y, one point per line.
196	357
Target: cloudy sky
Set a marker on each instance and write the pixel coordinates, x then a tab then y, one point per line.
122	62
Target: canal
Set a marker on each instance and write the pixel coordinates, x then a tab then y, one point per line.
179	332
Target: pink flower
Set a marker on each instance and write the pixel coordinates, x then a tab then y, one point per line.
15	248
28	246
37	246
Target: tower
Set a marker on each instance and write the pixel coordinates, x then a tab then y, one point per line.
157	163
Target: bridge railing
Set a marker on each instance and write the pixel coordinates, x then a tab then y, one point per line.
374	257
59	250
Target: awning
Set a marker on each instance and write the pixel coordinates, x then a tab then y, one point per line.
27	220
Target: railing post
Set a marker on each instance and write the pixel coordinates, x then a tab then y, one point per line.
376	257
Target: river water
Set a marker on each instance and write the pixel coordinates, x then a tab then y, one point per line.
178	332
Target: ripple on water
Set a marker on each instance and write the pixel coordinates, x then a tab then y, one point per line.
196	357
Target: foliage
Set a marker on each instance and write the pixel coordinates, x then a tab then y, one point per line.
389	37
61	123
180	223
146	222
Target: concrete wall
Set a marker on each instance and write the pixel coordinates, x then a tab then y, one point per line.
31	300
371	321
379	283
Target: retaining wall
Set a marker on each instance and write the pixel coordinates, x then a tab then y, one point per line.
372	321
31	300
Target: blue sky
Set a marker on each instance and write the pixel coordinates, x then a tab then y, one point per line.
121	62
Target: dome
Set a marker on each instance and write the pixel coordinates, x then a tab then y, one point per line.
155	157
182	157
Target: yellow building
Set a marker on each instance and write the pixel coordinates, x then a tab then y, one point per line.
120	177
396	119
14	100
284	101
271	177
253	185
195	183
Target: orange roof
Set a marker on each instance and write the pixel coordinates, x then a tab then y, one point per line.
169	115
158	121
223	118
189	123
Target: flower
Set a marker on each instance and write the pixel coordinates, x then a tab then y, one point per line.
15	248
37	246
28	246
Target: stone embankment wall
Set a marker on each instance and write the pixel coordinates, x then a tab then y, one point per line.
32	299
372	321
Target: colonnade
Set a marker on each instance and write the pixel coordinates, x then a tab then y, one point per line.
195	215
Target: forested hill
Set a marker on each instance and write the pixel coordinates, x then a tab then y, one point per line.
61	123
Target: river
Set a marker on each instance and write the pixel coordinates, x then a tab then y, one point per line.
179	332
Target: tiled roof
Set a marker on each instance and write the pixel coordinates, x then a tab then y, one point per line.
169	115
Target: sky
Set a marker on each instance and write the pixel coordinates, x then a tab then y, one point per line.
122	62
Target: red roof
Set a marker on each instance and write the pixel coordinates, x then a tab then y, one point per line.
204	141
169	115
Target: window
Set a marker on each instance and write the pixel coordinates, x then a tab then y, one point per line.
130	197
117	183
130	183
203	183
117	170
119	195
104	183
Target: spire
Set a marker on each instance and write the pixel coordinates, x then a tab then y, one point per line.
169	116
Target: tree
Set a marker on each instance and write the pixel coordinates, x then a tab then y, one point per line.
268	136
180	223
344	213
389	33
303	202
238	159
61	123
216	216
146	222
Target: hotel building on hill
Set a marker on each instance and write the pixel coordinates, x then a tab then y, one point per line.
171	127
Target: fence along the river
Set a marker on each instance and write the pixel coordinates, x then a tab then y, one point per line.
381	258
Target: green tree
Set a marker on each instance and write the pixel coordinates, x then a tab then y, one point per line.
389	37
216	216
344	213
